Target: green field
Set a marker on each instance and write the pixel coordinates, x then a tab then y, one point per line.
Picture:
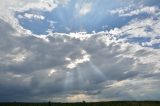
118	103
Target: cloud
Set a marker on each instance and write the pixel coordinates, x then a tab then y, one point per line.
51	72
83	59
31	16
139	29
8	14
78	97
77	66
83	8
37	70
131	11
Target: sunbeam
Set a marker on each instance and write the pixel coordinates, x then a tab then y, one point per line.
75	50
68	82
97	71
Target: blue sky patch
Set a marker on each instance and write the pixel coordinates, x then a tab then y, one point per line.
78	16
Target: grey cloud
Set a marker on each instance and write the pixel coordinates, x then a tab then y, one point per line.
25	76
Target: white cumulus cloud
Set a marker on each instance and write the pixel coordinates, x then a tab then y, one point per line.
129	11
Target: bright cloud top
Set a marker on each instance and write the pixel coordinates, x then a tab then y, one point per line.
32	16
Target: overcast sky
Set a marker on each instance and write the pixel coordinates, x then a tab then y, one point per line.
75	50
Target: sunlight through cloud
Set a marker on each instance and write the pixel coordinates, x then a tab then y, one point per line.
74	63
83	8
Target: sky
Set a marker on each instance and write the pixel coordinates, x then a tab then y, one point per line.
75	50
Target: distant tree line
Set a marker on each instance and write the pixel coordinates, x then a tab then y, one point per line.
113	103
